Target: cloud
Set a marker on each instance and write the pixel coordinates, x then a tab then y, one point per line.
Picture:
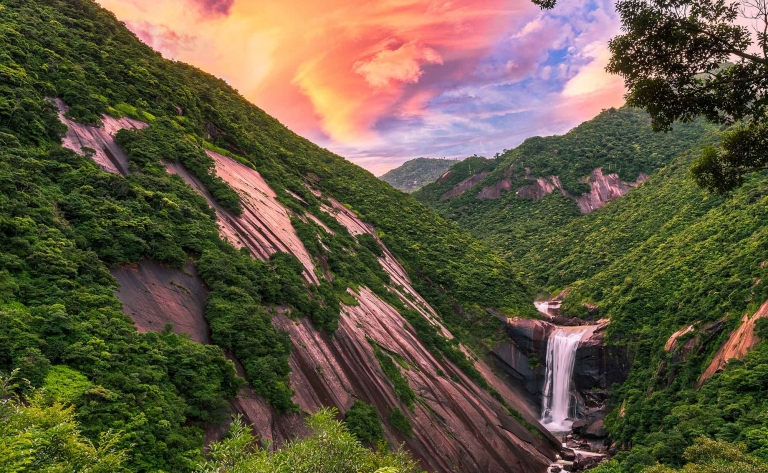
162	38
381	81
215	7
402	64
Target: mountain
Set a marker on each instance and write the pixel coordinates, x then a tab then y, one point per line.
171	255
528	193
681	275
670	277
414	174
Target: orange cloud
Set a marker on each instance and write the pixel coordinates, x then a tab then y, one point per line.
402	64
330	64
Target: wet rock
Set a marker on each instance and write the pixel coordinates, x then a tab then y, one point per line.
568	454
583	463
596	430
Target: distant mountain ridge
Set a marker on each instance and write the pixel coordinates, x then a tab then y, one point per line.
526	193
414	174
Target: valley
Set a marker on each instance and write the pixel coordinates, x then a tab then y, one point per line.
188	286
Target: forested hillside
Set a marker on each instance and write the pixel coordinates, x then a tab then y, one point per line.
679	272
66	223
665	257
414	174
512	201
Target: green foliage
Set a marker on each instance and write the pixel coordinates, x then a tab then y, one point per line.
64	223
330	448
395	376
618	141
714	456
363	422
400	422
703	63
37	436
164	139
414	174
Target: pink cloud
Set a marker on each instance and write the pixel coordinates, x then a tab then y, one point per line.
402	64
161	38
215	7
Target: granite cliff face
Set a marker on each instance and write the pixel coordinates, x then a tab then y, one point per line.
458	426
604	188
597	366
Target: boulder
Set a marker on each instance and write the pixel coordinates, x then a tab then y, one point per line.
568	455
579	426
583	463
596	430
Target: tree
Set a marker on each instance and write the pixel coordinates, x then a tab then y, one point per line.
36	435
330	448
683	59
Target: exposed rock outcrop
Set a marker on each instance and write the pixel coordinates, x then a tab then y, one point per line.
464	185
154	295
494	191
536	191
597	366
738	344
265	225
604	189
458	426
672	341
107	154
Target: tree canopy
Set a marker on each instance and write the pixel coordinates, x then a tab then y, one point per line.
682	59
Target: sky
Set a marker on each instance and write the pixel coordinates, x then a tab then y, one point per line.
383	81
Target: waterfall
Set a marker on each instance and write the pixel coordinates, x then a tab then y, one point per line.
561	355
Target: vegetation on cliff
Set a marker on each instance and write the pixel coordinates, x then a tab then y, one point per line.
666	256
618	141
414	174
64	223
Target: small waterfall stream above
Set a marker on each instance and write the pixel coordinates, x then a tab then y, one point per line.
556	401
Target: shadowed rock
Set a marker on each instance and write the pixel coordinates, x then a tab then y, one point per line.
154	295
464	185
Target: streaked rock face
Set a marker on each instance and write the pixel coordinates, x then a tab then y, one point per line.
604	189
154	295
458	426
265	225
107	154
738	344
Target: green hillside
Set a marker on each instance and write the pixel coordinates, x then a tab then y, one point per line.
619	141
65	223
414	174
666	256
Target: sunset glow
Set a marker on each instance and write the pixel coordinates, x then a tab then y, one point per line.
383	81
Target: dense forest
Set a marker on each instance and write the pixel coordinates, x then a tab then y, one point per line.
414	174
618	141
665	256
66	223
82	390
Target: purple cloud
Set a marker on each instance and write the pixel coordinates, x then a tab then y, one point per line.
215	7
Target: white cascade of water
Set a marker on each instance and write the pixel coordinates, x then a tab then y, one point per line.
561	355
